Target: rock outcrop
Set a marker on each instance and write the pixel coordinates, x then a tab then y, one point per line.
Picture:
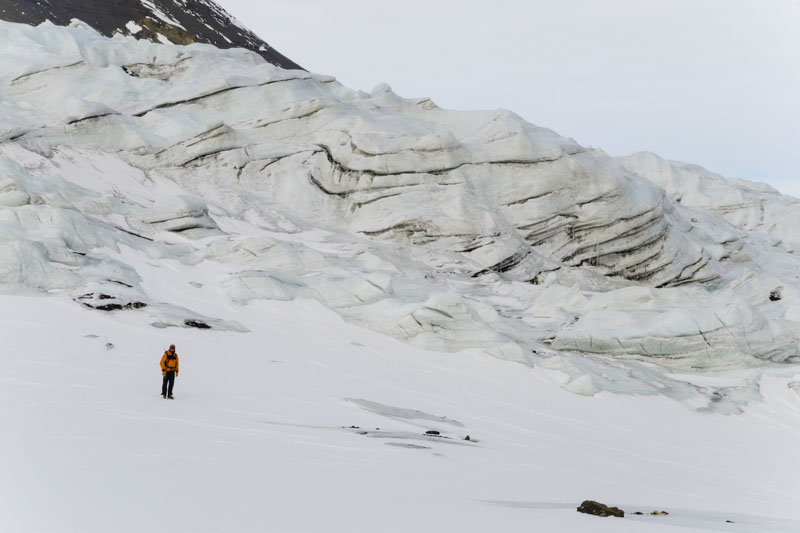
599	509
161	21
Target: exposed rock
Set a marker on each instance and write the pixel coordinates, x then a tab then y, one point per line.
172	316
185	22
155	30
598	509
105	302
196	324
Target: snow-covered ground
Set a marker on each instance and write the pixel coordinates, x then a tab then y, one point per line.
257	437
344	271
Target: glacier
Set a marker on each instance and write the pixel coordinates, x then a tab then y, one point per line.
344	273
449	230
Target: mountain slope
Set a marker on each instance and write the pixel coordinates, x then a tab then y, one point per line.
175	21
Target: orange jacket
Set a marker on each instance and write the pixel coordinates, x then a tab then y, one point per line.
169	362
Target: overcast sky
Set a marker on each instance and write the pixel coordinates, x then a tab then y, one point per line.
711	82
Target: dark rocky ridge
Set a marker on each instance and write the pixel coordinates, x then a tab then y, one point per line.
201	21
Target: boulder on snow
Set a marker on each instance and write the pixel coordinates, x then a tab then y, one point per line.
598	509
199	324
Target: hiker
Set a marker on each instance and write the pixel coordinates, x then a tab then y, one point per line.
169	369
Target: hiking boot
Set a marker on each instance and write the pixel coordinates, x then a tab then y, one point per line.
164	396
171	397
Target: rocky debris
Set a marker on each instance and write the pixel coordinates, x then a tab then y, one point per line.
106	302
775	295
432	432
407	436
172	316
199	324
155	30
598	509
653	513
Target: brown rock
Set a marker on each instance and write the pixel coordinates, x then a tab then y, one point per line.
598	509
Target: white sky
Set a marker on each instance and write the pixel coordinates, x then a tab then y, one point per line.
711	82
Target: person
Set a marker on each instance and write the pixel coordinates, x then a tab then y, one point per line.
169	370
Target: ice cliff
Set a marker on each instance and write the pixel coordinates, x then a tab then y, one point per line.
447	229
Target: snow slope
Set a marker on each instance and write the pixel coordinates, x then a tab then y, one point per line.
256	439
327	258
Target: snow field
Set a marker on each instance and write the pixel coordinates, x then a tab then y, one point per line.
255	439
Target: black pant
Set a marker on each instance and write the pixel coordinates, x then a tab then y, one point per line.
169	379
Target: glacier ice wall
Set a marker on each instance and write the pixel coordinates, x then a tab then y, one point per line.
448	229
